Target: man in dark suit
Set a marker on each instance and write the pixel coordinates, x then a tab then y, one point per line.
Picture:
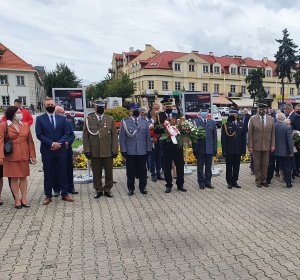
245	118
205	149
53	132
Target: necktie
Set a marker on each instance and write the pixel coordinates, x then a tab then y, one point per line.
136	121
52	121
263	120
205	122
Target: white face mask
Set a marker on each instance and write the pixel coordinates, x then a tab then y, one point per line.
19	116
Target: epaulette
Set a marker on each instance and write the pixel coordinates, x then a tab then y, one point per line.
143	118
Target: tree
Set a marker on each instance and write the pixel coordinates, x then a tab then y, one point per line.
285	59
61	77
98	90
297	76
120	86
255	87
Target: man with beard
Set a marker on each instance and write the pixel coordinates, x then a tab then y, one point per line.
171	152
261	141
233	139
100	145
136	145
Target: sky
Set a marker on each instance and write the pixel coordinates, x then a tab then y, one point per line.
84	34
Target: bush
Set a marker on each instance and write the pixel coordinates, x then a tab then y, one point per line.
118	113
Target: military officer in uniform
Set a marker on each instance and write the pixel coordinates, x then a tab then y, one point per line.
135	144
171	152
233	140
100	145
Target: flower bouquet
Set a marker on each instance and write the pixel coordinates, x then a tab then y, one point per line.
296	140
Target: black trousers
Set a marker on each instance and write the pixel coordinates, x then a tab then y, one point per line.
285	164
272	167
204	175
136	167
176	155
232	169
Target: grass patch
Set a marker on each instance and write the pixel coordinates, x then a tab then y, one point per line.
76	143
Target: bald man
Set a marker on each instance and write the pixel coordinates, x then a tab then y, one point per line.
70	179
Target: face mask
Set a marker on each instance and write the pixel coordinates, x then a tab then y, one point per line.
136	113
169	111
100	110
262	113
174	112
50	110
231	118
298	112
204	114
19	116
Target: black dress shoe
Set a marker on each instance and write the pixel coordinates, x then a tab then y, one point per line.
114	182
98	194
108	194
209	186
74	192
168	190
143	192
18	206
182	189
201	187
237	186
25	205
153	178
229	186
161	178
130	193
289	186
259	186
265	185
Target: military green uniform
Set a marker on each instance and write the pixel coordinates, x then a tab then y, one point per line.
100	139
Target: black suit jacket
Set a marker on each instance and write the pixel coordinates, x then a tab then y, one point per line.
245	120
295	121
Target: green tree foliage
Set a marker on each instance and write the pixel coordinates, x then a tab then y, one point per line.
98	90
297	77
285	59
61	77
255	87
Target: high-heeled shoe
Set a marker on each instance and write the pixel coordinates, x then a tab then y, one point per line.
25	205
18	206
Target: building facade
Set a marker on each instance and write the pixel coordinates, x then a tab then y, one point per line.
169	73
18	79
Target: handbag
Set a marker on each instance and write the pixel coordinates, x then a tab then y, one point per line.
7	143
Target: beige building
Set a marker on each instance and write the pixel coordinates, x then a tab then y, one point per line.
157	74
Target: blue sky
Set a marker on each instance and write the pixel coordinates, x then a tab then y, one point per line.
84	34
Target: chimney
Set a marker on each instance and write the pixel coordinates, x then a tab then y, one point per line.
265	60
196	52
211	53
147	46
131	49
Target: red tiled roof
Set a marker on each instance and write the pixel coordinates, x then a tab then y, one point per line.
10	60
163	60
118	56
135	53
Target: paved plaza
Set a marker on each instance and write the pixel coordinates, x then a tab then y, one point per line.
246	233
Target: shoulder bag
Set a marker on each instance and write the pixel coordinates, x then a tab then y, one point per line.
7	143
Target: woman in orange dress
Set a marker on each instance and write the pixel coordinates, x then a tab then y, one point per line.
16	164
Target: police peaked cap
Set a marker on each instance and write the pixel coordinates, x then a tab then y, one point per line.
262	105
134	106
100	103
233	111
167	101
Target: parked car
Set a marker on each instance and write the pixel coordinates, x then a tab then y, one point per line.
216	116
224	111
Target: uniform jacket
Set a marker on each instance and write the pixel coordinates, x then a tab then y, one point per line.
295	121
209	144
283	139
23	145
161	117
140	143
233	145
261	137
26	117
105	143
47	135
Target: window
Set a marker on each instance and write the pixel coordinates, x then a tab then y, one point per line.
232	88
191	68
165	85
205	87
205	69
20	81
177	85
177	66
244	71
23	99
5	100
267	89
217	69
216	87
233	70
150	84
291	91
3	80
268	73
250	71
192	86
243	89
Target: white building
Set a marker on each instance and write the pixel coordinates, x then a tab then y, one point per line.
18	79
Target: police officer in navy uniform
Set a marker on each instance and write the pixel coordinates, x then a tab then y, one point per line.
136	145
171	152
233	139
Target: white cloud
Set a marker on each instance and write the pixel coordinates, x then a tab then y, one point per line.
84	34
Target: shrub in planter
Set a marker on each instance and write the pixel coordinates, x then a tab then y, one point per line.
118	113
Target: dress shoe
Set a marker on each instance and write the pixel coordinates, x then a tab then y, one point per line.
289	186
161	178
74	192
143	192
25	205
201	187
108	194
114	182
47	200
182	189
153	178
268	182
209	186
1	202
98	194
259	186
67	198
229	186
168	190
56	194
130	193
265	185
18	206
236	186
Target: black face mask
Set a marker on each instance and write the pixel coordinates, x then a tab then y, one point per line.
136	113
262	113
298	112
169	111
100	110
50	110
231	118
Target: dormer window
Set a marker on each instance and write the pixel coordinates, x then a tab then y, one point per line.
244	71
205	68
217	69
177	66
268	73
191	65
233	70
